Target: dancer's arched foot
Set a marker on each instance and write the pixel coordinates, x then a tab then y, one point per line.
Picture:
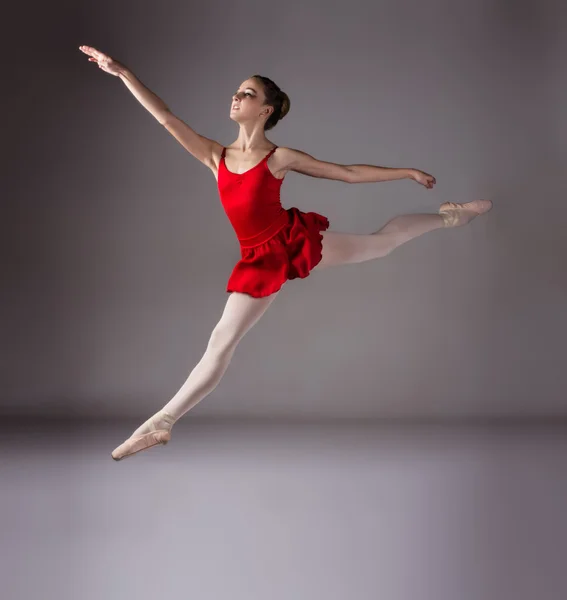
156	430
455	215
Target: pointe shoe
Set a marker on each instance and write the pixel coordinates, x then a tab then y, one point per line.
455	215
137	443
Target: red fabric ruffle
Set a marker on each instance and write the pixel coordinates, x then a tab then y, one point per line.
291	253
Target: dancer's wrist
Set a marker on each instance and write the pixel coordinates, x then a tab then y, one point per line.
125	73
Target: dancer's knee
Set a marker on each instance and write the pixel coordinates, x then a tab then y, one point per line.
382	244
223	339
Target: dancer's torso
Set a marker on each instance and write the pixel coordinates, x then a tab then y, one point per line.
251	201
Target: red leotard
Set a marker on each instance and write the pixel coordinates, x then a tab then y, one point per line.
276	244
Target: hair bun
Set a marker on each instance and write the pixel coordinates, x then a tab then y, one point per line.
285	104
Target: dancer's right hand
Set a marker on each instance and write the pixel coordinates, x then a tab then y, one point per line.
104	61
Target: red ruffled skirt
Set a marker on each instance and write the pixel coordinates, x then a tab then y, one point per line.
290	253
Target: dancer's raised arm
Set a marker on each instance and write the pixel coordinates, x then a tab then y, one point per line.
199	146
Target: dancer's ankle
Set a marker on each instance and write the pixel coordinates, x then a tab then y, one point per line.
162	420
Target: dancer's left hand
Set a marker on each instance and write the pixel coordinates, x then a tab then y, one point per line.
424	178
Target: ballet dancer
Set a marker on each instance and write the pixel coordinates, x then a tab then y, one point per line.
276	244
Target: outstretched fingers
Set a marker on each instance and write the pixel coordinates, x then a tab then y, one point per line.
96	54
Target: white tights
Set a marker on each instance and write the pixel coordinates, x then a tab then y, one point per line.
241	312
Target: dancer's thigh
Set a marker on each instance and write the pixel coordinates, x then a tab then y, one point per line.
240	313
343	248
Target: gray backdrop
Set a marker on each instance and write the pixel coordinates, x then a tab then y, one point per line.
299	476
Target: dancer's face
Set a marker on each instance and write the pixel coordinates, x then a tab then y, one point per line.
248	103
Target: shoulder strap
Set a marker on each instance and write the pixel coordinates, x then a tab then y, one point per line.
271	152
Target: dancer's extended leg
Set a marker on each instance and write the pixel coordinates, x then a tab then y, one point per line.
240	314
343	248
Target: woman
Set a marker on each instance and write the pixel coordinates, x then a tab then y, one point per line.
276	244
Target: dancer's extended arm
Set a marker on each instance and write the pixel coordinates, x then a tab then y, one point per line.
198	145
304	163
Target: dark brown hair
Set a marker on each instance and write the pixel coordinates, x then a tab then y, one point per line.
276	98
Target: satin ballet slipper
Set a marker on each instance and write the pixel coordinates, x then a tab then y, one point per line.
455	215
137	443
